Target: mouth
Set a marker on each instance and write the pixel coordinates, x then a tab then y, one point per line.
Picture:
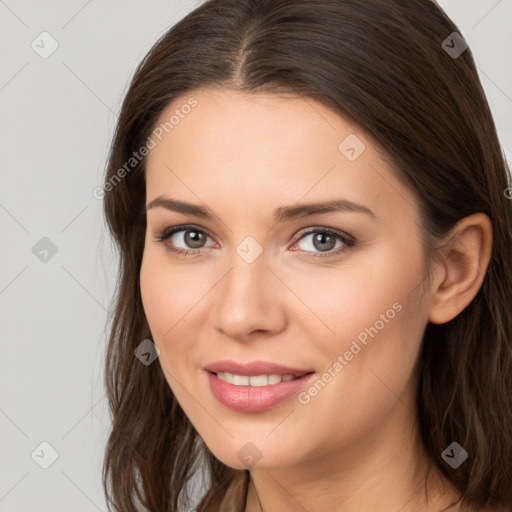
255	393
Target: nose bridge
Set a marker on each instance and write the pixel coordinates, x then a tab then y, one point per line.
247	299
246	283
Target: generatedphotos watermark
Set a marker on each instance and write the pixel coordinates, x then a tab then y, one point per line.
138	156
305	397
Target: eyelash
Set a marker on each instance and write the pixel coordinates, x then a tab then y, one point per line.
167	233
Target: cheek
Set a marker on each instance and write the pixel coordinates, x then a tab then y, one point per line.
369	328
367	291
152	289
373	318
171	299
164	291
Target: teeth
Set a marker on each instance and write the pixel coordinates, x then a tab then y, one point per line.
254	380
258	380
240	380
227	377
274	379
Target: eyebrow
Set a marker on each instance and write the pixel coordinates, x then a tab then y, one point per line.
281	214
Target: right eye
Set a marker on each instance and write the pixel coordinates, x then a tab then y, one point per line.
189	235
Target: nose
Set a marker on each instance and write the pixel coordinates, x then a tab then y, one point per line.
249	300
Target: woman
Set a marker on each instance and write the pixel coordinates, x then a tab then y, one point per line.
370	374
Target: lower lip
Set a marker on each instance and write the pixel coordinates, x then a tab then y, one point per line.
254	398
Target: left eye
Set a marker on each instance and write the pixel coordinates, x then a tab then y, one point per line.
324	241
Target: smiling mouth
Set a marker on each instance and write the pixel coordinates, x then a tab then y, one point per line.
255	393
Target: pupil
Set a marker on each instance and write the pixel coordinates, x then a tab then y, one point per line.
193	240
321	237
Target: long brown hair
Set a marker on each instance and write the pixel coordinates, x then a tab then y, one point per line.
384	65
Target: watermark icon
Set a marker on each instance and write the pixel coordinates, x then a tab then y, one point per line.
138	156
44	45
454	455
44	455
352	147
304	397
44	250
249	454
454	45
146	352
248	249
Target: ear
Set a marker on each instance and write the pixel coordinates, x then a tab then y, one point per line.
463	265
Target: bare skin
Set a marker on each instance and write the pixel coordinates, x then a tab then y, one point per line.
352	445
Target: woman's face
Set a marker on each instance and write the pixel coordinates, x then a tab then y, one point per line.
264	283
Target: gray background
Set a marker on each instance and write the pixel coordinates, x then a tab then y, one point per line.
58	117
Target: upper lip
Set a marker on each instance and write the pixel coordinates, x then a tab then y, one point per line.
254	368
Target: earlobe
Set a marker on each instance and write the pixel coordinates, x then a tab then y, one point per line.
465	261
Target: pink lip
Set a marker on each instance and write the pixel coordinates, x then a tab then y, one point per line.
254	368
254	398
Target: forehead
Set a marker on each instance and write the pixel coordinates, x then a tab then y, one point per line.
263	148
